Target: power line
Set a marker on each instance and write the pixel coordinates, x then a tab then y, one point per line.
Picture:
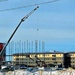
28	6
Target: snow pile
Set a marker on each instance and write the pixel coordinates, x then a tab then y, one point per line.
25	72
18	72
1	73
65	72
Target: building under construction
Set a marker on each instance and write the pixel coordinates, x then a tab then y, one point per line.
34	54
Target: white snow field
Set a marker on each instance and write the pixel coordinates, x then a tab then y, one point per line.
58	72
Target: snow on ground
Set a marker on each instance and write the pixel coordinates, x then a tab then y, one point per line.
24	72
1	73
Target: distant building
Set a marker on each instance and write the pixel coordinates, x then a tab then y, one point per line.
70	59
40	59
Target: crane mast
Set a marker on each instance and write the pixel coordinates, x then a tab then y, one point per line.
22	20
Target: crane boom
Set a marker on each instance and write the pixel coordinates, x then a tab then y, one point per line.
22	20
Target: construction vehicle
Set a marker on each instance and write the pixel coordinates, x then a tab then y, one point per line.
22	20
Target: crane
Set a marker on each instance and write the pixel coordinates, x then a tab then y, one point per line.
22	20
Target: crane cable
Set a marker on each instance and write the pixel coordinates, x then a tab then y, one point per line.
28	6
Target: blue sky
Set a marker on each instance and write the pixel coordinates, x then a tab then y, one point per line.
55	22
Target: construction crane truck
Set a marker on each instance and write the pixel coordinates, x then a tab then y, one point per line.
22	20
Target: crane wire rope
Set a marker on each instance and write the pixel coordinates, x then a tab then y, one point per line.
28	6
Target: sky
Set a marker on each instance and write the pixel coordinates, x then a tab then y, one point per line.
52	23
